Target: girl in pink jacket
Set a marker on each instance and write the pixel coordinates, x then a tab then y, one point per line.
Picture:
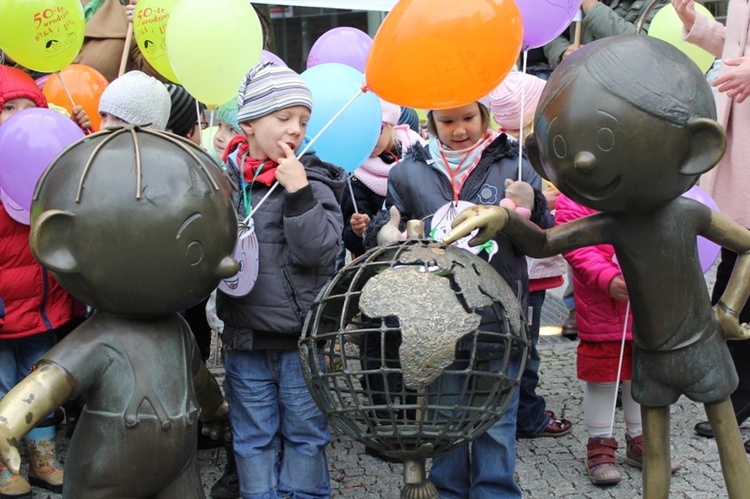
601	298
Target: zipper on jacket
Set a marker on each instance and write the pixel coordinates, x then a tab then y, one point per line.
45	296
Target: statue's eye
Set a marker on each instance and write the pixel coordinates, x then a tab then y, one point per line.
605	139
559	146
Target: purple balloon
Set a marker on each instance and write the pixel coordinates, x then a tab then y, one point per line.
16	212
266	56
545	20
344	45
29	141
708	251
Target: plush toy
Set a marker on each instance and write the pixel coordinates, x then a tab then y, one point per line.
519	196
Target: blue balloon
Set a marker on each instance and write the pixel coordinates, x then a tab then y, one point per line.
351	137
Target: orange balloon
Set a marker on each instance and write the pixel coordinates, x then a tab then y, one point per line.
442	54
85	85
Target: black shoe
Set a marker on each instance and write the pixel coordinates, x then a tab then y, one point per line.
570	326
228	486
747	446
704	430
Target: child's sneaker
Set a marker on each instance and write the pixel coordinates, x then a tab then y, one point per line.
634	452
600	461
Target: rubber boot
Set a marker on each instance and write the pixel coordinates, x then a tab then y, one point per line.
44	468
13	486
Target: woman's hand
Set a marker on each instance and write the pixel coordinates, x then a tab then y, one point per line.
685	11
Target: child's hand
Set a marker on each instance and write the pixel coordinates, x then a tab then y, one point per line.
730	323
81	118
290	173
359	223
130	10
618	290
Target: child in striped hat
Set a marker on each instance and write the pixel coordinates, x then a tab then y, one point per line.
298	228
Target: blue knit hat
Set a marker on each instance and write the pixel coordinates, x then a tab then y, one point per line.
227	113
269	87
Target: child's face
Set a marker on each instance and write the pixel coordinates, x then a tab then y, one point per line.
286	125
223	135
110	120
13	106
603	152
385	140
459	128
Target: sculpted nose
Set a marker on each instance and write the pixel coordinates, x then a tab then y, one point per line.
584	162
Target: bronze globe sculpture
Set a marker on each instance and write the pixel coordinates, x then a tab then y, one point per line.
417	338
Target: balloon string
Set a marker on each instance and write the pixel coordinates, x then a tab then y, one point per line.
67	92
619	367
361	91
520	126
351	191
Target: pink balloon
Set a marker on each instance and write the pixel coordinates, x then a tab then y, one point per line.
545	20
29	141
41	81
14	210
343	45
266	56
708	251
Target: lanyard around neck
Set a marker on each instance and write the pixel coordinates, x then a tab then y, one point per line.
247	193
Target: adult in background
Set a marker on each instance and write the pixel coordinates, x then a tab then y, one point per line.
601	19
729	181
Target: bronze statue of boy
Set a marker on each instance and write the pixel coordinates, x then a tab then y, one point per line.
625	126
139	225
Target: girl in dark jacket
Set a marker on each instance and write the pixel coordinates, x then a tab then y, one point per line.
465	161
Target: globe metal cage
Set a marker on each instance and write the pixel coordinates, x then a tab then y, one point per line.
413	349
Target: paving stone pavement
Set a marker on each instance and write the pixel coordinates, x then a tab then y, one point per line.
547	467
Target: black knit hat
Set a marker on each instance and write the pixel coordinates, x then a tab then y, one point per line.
183	116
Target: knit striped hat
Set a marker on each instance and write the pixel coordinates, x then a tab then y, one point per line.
269	87
183	114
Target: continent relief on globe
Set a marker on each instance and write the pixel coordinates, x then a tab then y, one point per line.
431	317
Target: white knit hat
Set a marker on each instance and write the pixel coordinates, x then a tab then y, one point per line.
138	99
391	112
269	87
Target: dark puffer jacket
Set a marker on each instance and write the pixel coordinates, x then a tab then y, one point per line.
417	189
298	235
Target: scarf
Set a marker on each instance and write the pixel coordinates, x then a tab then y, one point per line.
374	170
458	165
91	8
249	166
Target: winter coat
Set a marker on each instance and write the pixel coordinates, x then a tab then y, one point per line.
417	189
729	181
34	301
600	317
104	41
616	17
299	235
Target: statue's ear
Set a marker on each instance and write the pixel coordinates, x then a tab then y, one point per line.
532	151
707	144
50	241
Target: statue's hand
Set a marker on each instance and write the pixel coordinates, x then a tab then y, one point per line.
488	219
8	452
216	425
729	321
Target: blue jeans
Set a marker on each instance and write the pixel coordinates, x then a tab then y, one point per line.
280	435
531	419
485	468
18	355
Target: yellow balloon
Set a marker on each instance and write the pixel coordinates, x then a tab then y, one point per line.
666	26
43	35
212	45
150	29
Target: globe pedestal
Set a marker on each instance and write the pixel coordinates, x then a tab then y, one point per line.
413	349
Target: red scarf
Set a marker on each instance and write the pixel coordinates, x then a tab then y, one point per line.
267	175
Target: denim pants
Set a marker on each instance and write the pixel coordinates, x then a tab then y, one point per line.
531	419
485	468
18	355
280	435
